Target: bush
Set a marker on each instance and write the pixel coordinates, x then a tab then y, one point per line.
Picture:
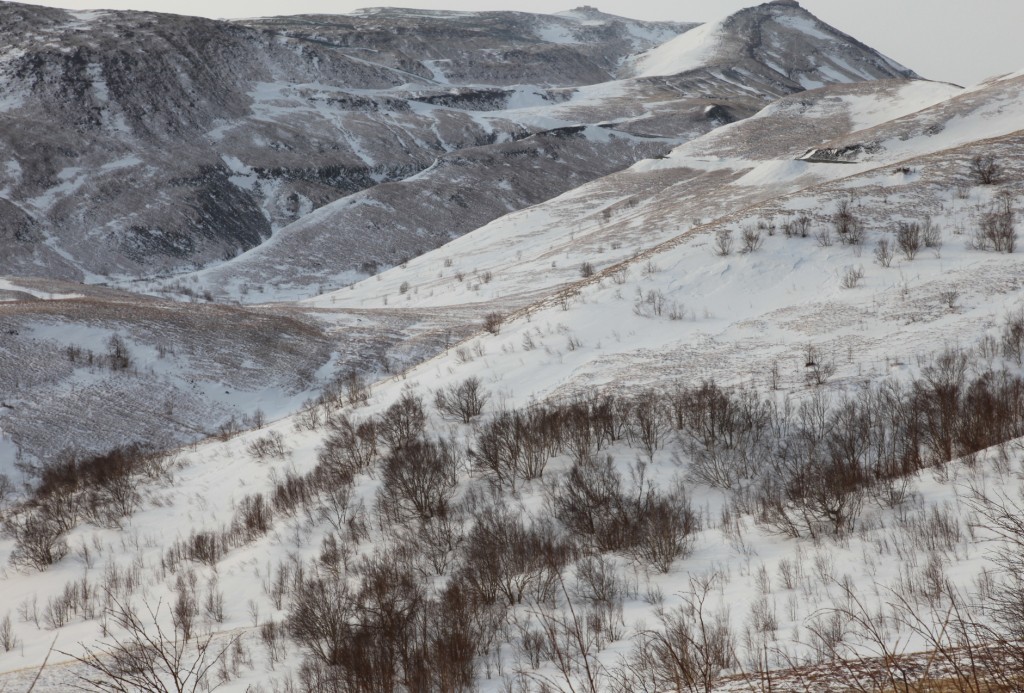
723	242
908	238
493	322
752	240
403	422
118	355
419	481
848	227
654	528
883	252
268	446
463	402
517	445
510	560
997	229
985	170
349	448
38	540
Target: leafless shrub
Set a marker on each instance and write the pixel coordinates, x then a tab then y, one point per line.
270	446
273	636
997	228
598	582
1012	338
403	422
185	608
118	355
463	402
851	277
908	238
752	240
356	391
722	433
665	525
141	657
801	227
649	304
819	371
511	560
38	540
516	445
723	242
985	170
8	641
648	423
763	618
690	652
883	252
654	527
586	270
1003	514
254	517
848	227
309	418
571	639
386	634
931	234
418	481
349	448
493	322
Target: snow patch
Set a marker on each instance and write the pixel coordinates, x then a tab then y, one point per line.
690	51
804	25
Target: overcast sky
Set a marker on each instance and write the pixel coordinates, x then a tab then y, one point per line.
960	41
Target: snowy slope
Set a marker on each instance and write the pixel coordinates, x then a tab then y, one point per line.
781	36
723	260
742	318
730	78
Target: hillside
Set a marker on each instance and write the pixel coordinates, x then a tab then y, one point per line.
743	414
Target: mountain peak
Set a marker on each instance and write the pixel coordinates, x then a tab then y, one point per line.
781	37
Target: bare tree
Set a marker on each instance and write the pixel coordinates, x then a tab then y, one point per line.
985	170
149	657
39	540
691	651
463	402
419	481
403	422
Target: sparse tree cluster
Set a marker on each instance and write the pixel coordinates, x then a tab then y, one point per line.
101	489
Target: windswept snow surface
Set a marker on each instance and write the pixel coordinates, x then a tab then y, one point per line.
694	49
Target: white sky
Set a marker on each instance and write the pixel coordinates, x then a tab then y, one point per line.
960	41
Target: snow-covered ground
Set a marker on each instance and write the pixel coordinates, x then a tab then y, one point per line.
723	261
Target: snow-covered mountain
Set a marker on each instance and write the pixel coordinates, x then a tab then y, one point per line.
247	128
735	72
743	415
136	143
